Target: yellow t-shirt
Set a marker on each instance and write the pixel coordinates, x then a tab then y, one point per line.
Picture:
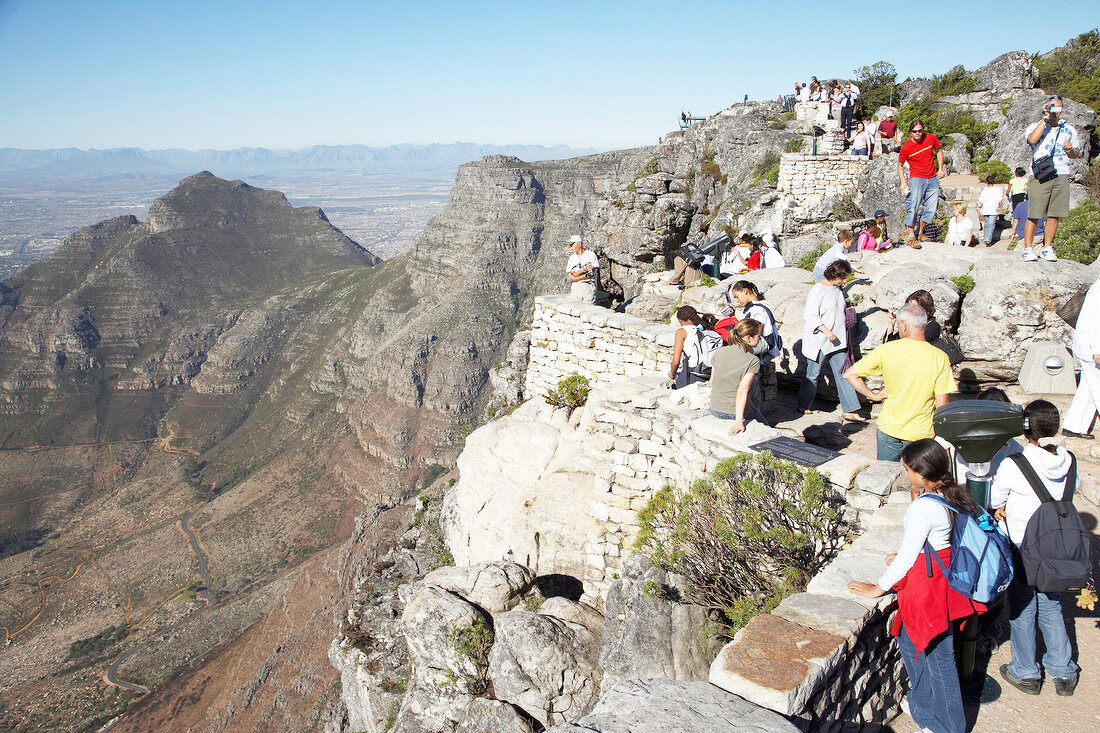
914	373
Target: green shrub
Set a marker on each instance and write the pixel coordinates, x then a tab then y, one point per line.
474	642
767	169
706	281
982	154
877	85
808	260
996	168
943	122
1072	71
964	283
431	473
795	145
571	392
648	169
754	531
1078	235
712	169
955	82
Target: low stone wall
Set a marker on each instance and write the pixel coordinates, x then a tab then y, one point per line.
819	175
816	113
824	658
571	337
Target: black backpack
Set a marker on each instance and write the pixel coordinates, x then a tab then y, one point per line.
1056	546
692	255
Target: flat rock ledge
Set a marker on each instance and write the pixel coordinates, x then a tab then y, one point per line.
669	706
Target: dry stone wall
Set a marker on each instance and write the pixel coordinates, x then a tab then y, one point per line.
803	175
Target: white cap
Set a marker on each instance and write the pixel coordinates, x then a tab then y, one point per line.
575	239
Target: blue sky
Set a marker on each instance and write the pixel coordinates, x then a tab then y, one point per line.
227	74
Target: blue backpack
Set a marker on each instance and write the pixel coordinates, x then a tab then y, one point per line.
981	557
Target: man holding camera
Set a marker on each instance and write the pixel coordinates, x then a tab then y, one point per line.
1053	143
582	270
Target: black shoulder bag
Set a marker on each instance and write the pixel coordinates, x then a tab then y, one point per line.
1043	168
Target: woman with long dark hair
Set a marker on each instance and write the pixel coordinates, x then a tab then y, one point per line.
735	371
685	353
926	604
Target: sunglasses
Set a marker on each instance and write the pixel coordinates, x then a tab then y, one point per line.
918	131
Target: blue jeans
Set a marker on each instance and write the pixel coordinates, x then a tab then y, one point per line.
1025	606
935	700
989	226
888	448
849	399
924	194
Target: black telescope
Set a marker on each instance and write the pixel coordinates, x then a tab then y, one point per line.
713	246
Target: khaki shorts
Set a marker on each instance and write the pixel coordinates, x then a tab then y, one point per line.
1048	199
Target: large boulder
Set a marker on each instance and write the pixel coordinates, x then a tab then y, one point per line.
1013	305
494	586
882	190
670	706
1008	72
545	665
493	716
956	153
891	286
649	632
445	678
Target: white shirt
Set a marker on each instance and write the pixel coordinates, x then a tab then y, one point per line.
855	90
1086	337
1047	144
1012	491
773	258
582	261
829	256
824	307
990	200
958	232
925	519
760	310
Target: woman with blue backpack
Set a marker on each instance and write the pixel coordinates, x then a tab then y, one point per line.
926	603
1026	487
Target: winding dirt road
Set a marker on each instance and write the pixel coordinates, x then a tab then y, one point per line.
205	592
110	678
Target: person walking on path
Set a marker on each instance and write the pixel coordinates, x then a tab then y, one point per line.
916	380
926	604
734	372
582	269
922	189
1015	501
1053	143
1086	349
825	339
989	200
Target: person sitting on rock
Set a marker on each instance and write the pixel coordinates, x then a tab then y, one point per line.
917	379
960	230
843	250
735	370
773	257
882	237
860	140
583	271
687	367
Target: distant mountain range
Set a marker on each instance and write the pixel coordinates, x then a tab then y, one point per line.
73	163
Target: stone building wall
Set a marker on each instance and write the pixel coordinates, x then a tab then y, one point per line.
803	175
570	337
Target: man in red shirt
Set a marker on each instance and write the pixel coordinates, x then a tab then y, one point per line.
922	191
886	130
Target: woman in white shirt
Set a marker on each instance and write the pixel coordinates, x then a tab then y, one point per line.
960	230
825	339
926	604
861	140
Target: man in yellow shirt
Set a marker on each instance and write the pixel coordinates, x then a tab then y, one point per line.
917	379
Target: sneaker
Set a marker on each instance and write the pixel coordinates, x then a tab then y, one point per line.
1064	687
1028	687
1079	436
1048	254
1028	256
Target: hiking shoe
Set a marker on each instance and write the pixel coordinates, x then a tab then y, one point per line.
1048	254
1064	687
1028	256
912	242
1079	436
1028	687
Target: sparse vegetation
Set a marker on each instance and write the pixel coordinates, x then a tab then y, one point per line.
767	169
96	644
712	169
571	392
944	122
955	82
707	281
1074	71
1078	235
474	643
845	208
431	473
743	538
998	169
794	145
808	260
965	283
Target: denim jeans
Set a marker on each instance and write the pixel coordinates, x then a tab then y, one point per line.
989	226
888	447
846	119
935	699
1026	605
922	192
849	398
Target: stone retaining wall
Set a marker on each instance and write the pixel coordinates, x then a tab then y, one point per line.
571	337
819	175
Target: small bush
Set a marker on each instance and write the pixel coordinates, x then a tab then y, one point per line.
767	169
474	643
808	260
795	145
712	169
1078	235
982	154
706	281
998	169
571	392
964	283
955	82
648	169
754	531
845	208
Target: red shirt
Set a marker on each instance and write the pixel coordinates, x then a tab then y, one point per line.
927	605
886	128
753	262
920	156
